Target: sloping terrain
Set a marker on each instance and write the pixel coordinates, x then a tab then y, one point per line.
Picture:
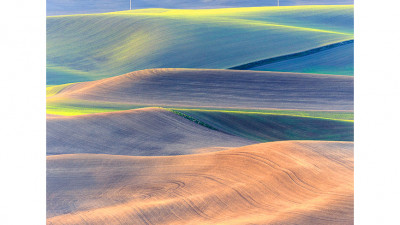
290	182
217	88
176	138
91	47
264	127
147	132
336	61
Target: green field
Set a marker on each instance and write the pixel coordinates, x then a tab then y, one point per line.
270	126
336	59
95	46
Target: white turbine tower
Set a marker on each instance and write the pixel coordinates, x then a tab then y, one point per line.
278	2
130	4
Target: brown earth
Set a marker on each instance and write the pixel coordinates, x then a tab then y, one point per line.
287	182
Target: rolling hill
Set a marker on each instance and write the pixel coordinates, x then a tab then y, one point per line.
96	46
157	132
266	127
147	132
338	60
225	88
291	182
200	116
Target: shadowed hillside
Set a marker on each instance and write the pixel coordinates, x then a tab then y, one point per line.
150	131
265	127
217	88
296	182
338	60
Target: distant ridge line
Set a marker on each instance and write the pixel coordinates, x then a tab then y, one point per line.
290	56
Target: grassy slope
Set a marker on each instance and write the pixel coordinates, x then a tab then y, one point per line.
72	107
54	89
336	61
266	127
90	47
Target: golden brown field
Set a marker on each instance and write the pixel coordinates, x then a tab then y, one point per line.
288	182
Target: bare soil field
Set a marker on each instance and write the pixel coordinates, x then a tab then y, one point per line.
288	182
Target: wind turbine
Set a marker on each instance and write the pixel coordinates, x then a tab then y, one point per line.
130	4
278	2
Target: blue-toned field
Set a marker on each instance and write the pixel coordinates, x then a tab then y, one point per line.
91	47
336	59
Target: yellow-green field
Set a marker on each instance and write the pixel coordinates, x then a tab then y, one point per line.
95	46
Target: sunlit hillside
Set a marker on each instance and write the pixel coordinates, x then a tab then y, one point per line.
91	47
290	182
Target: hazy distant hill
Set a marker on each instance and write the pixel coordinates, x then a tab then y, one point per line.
66	7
